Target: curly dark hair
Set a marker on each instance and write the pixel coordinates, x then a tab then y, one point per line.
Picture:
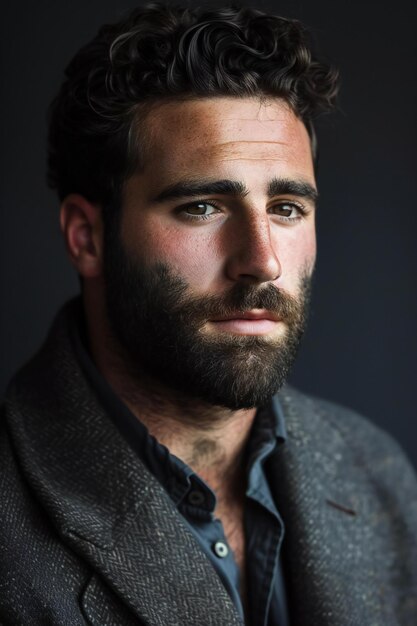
170	52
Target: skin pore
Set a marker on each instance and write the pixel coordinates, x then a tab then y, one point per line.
256	230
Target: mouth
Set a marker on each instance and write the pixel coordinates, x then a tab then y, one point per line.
254	322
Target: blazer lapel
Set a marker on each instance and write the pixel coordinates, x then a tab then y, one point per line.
159	571
329	542
104	503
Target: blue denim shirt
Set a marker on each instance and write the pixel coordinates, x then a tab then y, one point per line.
196	502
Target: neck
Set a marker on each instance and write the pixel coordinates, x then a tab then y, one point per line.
210	439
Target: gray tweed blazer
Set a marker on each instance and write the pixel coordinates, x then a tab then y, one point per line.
88	536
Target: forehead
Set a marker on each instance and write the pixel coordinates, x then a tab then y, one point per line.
223	133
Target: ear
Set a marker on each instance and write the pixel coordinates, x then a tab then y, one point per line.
82	227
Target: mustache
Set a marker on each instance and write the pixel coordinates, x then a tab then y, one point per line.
161	288
242	298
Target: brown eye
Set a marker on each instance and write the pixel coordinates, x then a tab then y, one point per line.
200	209
287	210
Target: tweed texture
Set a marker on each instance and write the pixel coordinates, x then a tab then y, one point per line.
102	525
88	536
349	500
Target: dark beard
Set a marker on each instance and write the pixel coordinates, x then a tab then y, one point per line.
158	325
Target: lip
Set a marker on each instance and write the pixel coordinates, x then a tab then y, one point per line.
254	314
255	322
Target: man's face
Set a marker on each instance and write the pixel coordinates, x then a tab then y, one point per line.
207	277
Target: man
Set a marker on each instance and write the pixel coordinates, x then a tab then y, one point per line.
154	468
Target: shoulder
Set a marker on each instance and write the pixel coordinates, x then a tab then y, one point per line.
368	445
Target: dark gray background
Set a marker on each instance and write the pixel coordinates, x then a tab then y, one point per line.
361	347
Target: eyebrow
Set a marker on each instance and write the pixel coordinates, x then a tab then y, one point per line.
192	189
301	188
196	188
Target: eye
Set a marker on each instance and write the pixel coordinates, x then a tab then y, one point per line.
198	210
288	211
201	208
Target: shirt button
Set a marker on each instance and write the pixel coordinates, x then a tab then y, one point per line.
196	498
220	549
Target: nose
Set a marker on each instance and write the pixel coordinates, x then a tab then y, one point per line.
252	255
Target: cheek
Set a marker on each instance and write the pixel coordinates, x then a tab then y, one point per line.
308	250
297	253
191	254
